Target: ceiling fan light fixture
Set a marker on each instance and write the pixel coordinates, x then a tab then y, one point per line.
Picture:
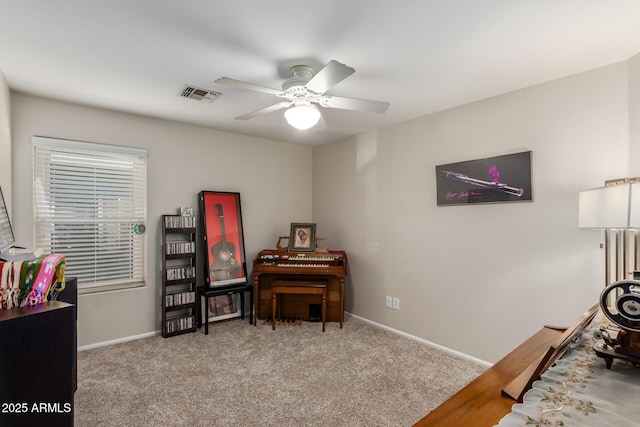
303	115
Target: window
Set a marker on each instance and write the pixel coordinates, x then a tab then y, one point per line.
90	203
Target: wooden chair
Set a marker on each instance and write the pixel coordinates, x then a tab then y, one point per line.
299	287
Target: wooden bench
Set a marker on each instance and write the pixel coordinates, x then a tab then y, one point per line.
299	287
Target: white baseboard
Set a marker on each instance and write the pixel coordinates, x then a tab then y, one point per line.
118	341
370	322
422	341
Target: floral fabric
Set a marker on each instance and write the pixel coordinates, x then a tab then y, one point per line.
579	391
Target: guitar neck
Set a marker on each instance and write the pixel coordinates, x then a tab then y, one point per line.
223	234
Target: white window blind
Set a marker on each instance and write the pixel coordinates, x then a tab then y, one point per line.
89	201
6	233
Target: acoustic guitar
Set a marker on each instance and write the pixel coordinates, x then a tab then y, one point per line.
225	266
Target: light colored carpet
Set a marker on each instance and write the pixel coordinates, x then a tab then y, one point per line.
241	375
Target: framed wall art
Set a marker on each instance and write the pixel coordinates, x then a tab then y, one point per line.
221	219
302	237
497	179
222	307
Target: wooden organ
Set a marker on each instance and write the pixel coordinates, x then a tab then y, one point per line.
272	265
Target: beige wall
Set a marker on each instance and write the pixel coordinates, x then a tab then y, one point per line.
477	279
5	141
273	178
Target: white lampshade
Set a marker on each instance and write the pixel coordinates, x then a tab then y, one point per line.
303	115
616	206
634	207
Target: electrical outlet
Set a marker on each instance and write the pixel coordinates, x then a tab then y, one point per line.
396	303
388	302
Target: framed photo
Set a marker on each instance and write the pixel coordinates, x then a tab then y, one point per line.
185	211
497	179
222	307
302	237
222	237
322	244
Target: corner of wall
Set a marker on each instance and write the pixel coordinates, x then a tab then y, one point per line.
634	115
5	140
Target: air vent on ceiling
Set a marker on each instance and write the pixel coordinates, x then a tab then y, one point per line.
199	94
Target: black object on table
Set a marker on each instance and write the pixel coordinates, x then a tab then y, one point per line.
609	353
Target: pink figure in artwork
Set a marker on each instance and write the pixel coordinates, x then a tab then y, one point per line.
494	173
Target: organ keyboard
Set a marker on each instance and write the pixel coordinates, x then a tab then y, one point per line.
272	265
303	265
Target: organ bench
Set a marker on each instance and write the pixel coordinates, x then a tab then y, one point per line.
299	287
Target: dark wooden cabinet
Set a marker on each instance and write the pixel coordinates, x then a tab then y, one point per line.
37	351
178	275
70	295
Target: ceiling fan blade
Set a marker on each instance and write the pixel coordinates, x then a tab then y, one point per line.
354	104
250	86
332	74
265	110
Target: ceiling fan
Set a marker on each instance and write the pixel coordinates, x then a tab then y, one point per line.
306	89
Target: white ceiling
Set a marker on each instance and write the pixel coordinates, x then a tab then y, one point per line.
421	56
